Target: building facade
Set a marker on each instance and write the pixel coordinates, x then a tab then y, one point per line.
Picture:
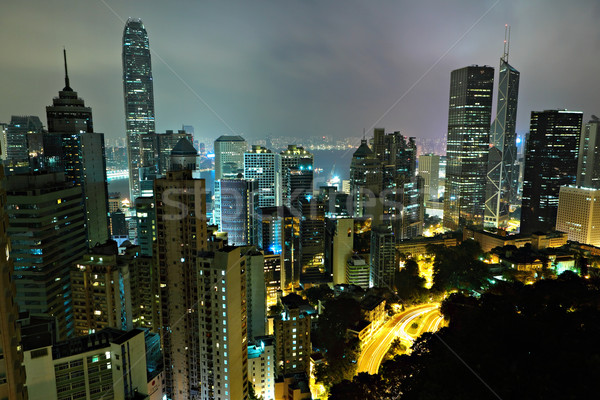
588	166
550	162
578	214
229	156
264	166
469	117
138	90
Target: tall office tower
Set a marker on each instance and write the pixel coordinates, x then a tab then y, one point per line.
402	194
16	150
110	364
578	214
339	247
429	170
358	272
277	237
229	156
138	91
223	359
383	257
146	224
80	153
47	229
264	166
118	225
467	148
181	232
255	292
292	336
550	162
156	150
12	385
502	176
296	174
236	210
365	181
588	167
310	254
261	367
97	291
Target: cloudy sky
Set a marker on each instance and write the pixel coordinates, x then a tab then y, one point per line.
298	68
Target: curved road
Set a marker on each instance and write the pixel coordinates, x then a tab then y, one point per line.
374	351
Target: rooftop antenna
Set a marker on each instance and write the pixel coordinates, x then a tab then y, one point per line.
506	43
364	134
67	86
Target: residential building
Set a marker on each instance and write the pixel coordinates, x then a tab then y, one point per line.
223	327
429	170
383	257
339	247
256	296
236	210
261	367
292	336
145	214
181	232
365	182
358	272
296	174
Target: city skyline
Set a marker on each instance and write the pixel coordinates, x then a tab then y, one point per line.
312	70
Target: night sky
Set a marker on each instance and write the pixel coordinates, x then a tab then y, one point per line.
298	68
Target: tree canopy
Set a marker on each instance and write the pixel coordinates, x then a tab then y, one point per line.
514	342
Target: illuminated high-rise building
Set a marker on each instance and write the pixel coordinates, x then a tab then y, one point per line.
236	210
264	166
296	174
181	232
47	229
12	384
223	327
365	181
17	137
588	167
469	117
229	156
503	171
138	90
550	162
73	147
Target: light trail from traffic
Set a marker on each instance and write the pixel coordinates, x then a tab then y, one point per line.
374	351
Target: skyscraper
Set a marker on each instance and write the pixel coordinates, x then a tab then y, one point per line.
229	156
12	384
550	162
264	166
223	359
139	95
469	116
383	257
503	171
47	228
578	214
17	139
588	167
236	203
365	181
75	149
181	232
296	174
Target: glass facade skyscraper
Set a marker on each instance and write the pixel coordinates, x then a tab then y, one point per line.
469	116
503	171
139	95
550	162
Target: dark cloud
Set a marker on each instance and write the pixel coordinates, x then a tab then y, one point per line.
297	68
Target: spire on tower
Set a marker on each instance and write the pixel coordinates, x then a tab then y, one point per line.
67	85
506	43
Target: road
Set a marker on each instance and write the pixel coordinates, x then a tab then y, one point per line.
398	326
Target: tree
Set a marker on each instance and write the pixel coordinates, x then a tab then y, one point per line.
409	285
340	351
460	267
315	294
523	341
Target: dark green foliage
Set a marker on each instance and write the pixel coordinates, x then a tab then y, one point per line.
316	293
514	342
340	352
410	287
459	267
